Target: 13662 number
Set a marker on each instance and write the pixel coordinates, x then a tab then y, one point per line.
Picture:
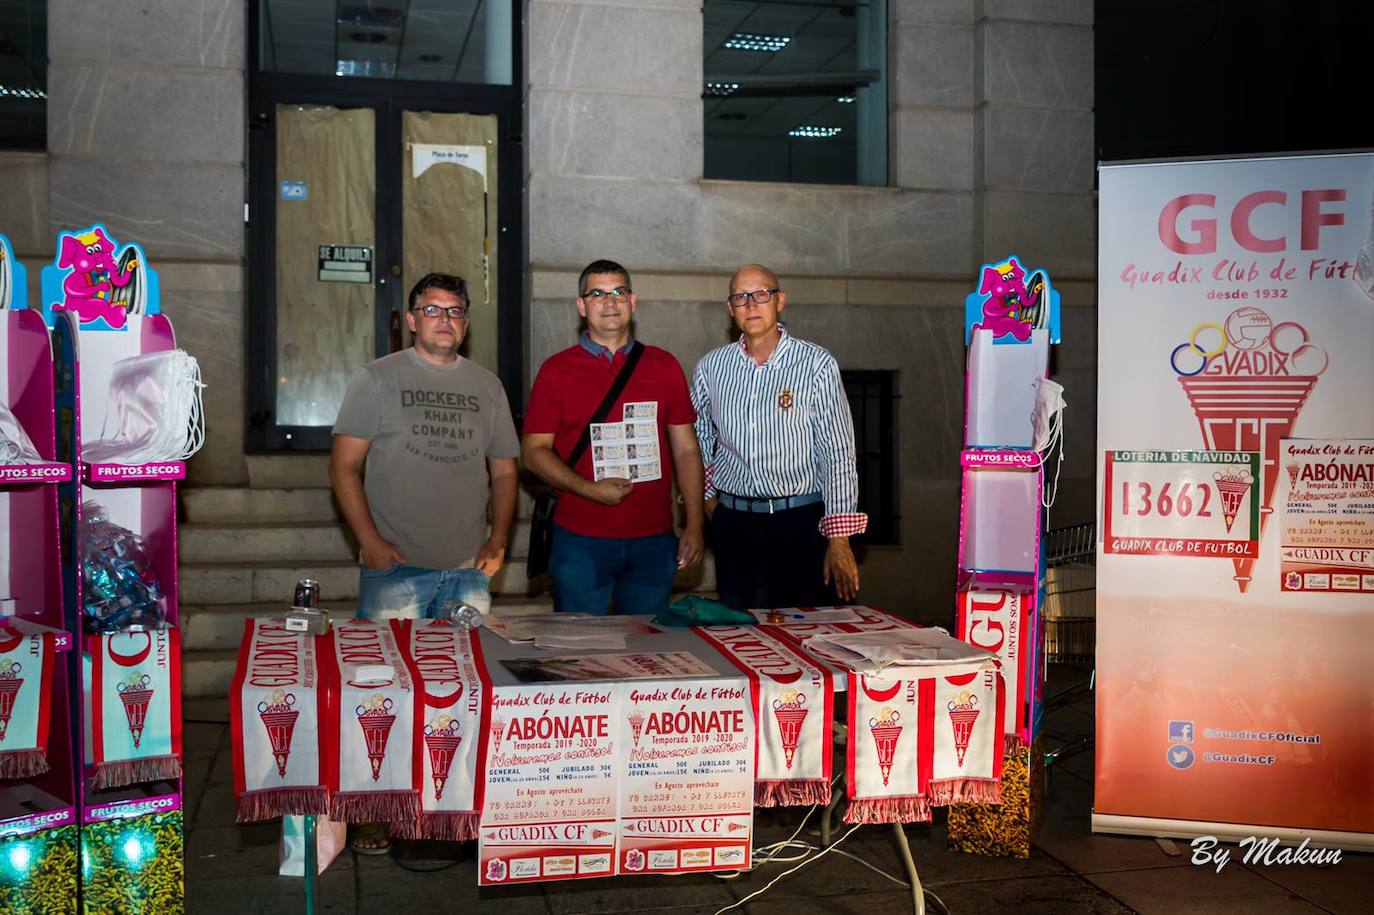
1190	499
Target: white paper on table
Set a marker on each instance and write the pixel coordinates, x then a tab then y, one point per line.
523	629
929	651
612	640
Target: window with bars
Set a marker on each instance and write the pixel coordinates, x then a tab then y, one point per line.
873	398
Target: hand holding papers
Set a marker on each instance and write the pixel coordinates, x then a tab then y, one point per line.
628	450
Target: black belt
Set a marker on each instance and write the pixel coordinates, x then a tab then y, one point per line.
768	506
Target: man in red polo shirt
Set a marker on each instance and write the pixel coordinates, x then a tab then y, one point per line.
613	541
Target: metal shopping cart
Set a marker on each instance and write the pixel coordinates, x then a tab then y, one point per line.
1070	615
1070	594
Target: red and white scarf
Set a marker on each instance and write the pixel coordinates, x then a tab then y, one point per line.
887	766
924	742
967	747
999	619
455	688
135	706
793	711
26	665
380	748
282	723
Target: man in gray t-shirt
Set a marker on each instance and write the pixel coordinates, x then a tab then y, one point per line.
435	431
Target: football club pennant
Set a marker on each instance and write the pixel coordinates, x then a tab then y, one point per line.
135	706
454	688
380	736
281	719
793	711
888	769
966	751
26	663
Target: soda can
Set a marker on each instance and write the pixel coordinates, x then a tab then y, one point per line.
307	594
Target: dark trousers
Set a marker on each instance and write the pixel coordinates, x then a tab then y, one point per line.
770	560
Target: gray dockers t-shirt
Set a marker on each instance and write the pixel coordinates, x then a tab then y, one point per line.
431	429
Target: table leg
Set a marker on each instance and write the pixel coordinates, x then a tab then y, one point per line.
918	896
841	736
836	795
312	868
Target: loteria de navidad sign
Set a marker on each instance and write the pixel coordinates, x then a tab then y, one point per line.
1236	316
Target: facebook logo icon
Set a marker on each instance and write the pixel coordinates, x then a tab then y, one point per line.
1180	732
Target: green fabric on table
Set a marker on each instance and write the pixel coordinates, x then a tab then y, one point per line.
695	610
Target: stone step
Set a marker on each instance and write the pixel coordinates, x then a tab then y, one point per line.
207	674
216	627
270	581
241	505
288	471
267	581
311	471
312	541
290	541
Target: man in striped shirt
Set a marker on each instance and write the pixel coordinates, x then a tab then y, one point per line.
777	439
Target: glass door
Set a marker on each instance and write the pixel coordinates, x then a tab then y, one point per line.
358	187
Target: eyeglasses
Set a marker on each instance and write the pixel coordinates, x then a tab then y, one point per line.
741	299
455	313
618	293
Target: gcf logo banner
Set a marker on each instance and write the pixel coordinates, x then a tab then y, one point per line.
1235	316
1182	503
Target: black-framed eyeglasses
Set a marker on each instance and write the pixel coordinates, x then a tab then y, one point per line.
455	312
619	293
759	296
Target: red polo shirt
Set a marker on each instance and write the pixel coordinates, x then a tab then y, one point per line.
567	391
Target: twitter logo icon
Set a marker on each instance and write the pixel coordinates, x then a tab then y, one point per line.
1180	756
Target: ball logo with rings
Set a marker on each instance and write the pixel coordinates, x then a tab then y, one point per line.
1248	342
1247	380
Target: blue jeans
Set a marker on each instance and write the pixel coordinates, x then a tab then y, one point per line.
590	573
409	592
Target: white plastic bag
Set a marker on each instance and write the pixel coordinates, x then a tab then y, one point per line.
330	839
155	411
15	445
1049	430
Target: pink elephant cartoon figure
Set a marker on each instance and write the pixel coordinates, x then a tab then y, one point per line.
1010	308
89	288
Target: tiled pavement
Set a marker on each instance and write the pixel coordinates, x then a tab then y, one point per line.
232	869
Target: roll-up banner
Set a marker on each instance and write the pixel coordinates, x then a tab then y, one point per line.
1235	588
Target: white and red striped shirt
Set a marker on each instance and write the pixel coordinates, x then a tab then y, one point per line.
779	429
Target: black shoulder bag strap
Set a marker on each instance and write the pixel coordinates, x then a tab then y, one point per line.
606	403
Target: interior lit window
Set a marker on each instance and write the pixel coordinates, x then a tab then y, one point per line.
24	74
456	41
796	91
